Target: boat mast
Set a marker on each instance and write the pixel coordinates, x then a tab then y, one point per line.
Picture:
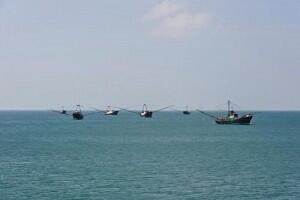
228	108
78	108
144	108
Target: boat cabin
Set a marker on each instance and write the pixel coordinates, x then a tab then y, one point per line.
232	114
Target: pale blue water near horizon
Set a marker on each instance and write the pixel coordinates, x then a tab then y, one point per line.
49	156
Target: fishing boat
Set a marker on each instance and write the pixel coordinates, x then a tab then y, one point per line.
77	114
61	111
146	113
186	111
110	111
232	117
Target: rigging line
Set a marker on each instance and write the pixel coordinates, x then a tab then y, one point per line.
236	105
219	105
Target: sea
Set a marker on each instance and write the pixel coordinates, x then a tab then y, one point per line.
46	156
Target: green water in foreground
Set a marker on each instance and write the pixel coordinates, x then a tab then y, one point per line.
171	156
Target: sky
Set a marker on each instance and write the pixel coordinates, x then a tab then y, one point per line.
159	52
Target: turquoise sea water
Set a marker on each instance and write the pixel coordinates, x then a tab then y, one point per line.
49	156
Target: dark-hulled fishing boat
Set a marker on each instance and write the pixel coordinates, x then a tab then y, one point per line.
186	111
77	114
231	118
145	112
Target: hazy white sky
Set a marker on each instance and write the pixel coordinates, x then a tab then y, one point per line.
111	52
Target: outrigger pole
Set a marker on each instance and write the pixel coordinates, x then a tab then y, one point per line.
207	114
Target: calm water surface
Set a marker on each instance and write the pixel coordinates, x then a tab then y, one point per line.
49	156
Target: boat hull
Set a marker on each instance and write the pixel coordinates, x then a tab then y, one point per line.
186	112
244	120
147	114
77	116
115	112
